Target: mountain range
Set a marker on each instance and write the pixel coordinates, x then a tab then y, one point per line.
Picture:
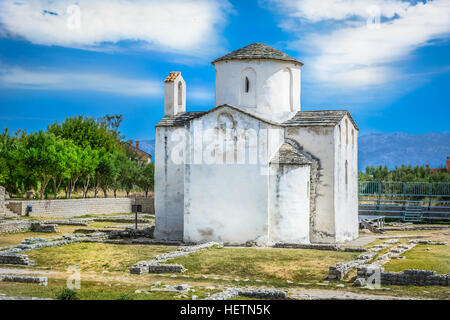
391	149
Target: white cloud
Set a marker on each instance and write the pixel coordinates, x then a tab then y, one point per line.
191	27
314	11
347	52
18	78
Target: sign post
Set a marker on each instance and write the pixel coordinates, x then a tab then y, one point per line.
136	208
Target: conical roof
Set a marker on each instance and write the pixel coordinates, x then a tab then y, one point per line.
257	51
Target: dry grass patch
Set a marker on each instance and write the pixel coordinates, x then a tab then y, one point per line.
95	256
273	265
9	239
437	259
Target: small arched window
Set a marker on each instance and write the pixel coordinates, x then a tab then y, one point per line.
353	138
247	85
180	93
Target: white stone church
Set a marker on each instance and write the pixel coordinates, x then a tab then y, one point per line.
255	168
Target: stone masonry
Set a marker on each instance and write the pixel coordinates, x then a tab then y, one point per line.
2	201
156	265
14	258
43	281
44	227
407	277
69	208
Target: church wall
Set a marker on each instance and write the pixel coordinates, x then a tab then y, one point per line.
289	204
169	179
276	93
346	188
228	201
319	142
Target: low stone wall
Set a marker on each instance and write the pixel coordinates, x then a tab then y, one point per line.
14	226
405	278
266	294
148	204
318	246
2	200
72	207
43	281
156	265
43	227
13	258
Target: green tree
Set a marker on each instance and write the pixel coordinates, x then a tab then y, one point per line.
106	173
89	163
128	175
74	167
41	156
146	176
85	132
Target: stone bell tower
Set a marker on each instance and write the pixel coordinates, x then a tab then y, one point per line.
174	94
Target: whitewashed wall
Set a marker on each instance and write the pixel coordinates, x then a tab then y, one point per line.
274	87
228	202
169	183
346	190
289	217
319	142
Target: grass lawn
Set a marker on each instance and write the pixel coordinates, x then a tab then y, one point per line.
270	265
95	256
94	290
8	239
437	259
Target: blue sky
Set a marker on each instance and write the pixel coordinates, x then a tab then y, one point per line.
96	57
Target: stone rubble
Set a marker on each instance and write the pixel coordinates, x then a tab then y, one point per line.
419	241
44	227
407	277
392	241
43	281
13	256
155	265
132	233
267	294
315	246
17	259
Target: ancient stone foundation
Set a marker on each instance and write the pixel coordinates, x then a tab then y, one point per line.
405	278
13	258
132	233
268	294
2	201
156	265
43	281
328	247
14	226
43	227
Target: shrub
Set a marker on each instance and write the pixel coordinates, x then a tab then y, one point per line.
125	296
67	294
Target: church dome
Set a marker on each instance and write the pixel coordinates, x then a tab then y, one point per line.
257	51
261	80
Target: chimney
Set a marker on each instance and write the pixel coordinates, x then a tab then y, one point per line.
137	144
448	163
174	94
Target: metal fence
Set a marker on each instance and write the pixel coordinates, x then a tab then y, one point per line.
407	189
410	201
